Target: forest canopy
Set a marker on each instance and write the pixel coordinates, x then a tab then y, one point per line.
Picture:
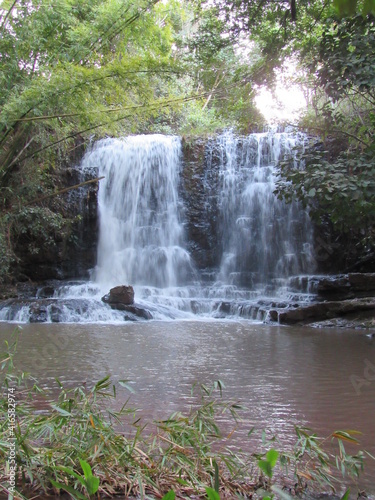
72	70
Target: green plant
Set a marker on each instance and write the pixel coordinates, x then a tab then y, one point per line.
88	480
267	464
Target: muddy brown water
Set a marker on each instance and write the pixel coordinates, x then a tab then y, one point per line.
285	376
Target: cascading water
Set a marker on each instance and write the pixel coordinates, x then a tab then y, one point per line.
141	236
258	241
264	240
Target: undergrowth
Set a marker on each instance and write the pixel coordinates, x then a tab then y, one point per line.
77	444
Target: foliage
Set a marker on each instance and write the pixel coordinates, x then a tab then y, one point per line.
267	464
78	444
6	255
339	192
347	47
337	180
36	228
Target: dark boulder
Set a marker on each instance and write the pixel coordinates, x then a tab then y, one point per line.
119	295
38	313
122	299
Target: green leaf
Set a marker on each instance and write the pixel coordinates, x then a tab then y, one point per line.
73	492
272	456
170	495
60	410
124	383
86	468
71	472
345	436
104	383
346	495
218	384
311	193
182	481
265	466
212	494
92	485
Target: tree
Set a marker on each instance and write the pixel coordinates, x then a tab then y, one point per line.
69	69
338	182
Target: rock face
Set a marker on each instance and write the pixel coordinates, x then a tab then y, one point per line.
80	255
199	192
71	250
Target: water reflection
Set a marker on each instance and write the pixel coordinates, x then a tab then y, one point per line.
284	376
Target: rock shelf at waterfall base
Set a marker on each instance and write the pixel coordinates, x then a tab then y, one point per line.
346	300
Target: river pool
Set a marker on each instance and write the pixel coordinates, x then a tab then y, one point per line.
321	378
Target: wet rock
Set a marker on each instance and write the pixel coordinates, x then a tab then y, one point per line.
119	296
199	192
136	313
122	299
362	281
325	310
273	315
224	307
343	286
26	290
334	288
38	313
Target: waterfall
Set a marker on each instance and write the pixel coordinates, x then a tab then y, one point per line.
263	239
141	237
206	237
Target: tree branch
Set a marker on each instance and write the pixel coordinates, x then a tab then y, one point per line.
62	191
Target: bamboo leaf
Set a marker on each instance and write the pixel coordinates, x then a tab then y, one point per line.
73	492
170	495
212	494
92	485
86	468
71	472
125	383
62	411
272	456
346	495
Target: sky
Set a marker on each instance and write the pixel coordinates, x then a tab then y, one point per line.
288	99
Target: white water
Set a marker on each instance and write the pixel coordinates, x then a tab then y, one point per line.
264	240
142	240
141	236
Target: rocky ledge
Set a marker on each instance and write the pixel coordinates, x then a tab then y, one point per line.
345	300
323	311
